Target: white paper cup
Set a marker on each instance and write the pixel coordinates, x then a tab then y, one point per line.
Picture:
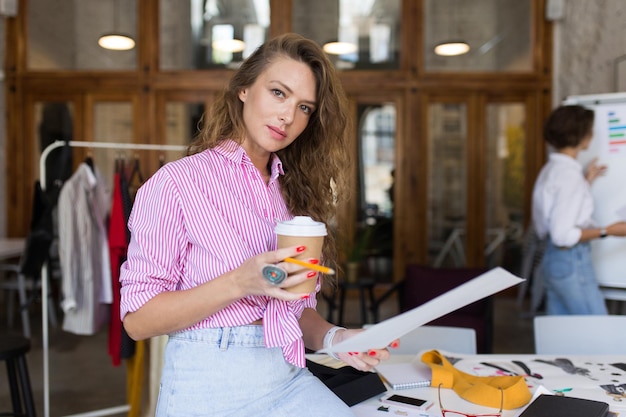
302	231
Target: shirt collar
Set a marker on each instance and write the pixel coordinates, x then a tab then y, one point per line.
235	152
565	160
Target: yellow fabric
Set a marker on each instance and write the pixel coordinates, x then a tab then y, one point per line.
134	379
483	390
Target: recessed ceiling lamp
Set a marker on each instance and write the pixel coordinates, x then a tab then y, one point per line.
453	44
339	48
452	48
229	45
116	40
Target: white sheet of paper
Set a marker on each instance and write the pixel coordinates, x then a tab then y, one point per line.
382	334
622	213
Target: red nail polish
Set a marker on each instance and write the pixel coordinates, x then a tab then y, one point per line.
311	274
314	261
301	248
305	297
371	353
354	353
395	345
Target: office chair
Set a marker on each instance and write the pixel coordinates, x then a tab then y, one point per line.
422	283
580	334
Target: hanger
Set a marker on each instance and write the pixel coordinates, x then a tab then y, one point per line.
89	161
120	162
136	171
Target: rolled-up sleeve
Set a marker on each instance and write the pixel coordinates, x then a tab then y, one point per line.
158	243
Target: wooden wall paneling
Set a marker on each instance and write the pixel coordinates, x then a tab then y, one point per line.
538	106
418	179
14	65
19	186
192	80
281	15
148	37
346	211
476	176
541	38
411	43
408	206
145	109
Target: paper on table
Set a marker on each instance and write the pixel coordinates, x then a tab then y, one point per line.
622	213
381	334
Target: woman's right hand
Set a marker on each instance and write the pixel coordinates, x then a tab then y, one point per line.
616	229
594	171
250	279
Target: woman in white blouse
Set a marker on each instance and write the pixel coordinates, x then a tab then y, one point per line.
563	215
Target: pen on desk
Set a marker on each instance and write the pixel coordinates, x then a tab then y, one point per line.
315	267
561	392
498	367
527	370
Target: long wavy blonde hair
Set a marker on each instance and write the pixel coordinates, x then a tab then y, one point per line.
317	162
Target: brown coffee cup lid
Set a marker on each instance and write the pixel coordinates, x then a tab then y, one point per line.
301	226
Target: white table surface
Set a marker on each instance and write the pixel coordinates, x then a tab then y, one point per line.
11	247
583	384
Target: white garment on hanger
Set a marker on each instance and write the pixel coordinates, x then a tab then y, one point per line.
87	292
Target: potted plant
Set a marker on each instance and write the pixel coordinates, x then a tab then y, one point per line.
358	251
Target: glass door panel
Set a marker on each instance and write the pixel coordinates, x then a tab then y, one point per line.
505	179
64	34
447	185
182	122
201	34
497	32
373	242
113	122
54	120
356	34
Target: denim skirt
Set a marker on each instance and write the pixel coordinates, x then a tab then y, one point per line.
570	281
229	372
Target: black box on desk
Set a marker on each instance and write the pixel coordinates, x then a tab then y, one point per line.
349	384
560	406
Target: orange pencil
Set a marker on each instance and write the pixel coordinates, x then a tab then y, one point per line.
315	267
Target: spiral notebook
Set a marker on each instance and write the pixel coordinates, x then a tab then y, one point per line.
405	375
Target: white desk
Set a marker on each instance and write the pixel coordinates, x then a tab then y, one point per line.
593	372
11	248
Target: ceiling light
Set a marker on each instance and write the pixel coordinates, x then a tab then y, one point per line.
452	48
229	45
116	42
340	48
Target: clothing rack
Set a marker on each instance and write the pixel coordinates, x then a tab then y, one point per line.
44	269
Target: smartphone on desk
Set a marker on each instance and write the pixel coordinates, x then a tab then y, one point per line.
407	402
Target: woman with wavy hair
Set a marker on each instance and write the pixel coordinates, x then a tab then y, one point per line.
202	228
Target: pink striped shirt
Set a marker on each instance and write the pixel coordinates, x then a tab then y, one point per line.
200	217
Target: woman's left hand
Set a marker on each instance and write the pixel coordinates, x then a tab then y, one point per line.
363	361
